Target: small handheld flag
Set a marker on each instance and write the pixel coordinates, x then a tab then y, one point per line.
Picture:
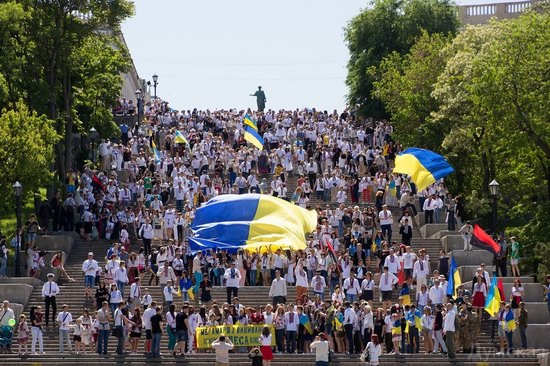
304	320
253	137
180	139
191	294
155	152
492	302
454	278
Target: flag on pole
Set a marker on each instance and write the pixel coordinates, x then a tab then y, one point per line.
155	152
249	122
253	137
482	240
304	320
492	302
454	278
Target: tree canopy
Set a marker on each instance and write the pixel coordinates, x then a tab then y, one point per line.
388	26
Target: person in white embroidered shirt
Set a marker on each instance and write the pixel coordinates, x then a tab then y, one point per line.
135	294
169	291
387	281
278	289
49	292
393	263
420	272
386	220
408	263
318	284
429	207
351	286
232	277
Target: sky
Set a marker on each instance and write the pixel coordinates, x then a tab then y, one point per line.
215	53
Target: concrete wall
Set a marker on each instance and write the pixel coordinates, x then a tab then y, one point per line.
52	243
442	233
452	242
538	312
537	336
472	258
430	229
533	292
16	293
21	280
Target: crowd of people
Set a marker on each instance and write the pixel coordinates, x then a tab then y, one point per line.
144	199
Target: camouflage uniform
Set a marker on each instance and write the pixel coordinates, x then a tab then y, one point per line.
474	328
464	331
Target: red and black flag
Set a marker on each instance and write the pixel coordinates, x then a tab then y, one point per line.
482	240
97	184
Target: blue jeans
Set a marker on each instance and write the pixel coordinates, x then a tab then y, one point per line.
351	297
321	363
3	266
523	336
386	231
279	334
510	341
198	279
155	345
102	341
252	277
121	286
64	335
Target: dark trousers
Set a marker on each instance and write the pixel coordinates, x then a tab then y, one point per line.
523	335
510	341
386	232
388	342
278	300
102	341
501	267
367	335
231	293
120	344
290	341
348	328
279	335
494	325
450	342
146	246
429	216
300	341
414	337
50	300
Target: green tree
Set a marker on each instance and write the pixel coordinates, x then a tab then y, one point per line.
26	151
404	83
385	27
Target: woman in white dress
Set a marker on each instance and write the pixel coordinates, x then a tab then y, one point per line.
86	335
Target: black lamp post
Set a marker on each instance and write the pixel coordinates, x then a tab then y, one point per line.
493	190
139	107
155	83
18	192
93	134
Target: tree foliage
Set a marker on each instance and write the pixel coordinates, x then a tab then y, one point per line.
26	151
389	26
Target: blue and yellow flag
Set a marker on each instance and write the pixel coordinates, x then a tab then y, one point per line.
180	139
249	122
304	320
454	278
251	221
155	152
509	322
424	166
492	302
253	137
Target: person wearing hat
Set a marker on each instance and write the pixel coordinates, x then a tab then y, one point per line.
64	319
49	292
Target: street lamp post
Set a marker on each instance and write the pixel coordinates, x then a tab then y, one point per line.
93	133
139	108
155	83
493	190
18	192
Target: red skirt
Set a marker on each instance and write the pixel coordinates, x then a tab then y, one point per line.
479	300
267	354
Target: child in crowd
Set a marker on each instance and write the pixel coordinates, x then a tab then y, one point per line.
23	335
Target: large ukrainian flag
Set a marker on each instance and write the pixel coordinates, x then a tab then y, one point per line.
424	166
249	122
251	221
492	302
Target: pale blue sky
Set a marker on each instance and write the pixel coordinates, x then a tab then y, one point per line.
214	53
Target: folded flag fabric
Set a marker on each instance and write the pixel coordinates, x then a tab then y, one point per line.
252	136
180	139
424	166
509	321
304	320
492	302
249	122
480	239
454	278
251	221
191	294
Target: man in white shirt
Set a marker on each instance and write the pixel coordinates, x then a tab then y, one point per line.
321	347
351	286
350	318
429	207
449	330
386	220
291	326
232	277
318	284
64	319
278	289
436	294
222	346
393	263
466	232
103	317
147	314
49	292
387	281
90	269
420	272
135	294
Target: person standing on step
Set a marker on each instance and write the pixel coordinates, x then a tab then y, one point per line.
386	220
49	292
466	232
147	233
64	319
90	269
135	294
232	277
449	330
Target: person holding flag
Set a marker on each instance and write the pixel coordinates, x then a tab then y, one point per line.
413	317
509	325
454	279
